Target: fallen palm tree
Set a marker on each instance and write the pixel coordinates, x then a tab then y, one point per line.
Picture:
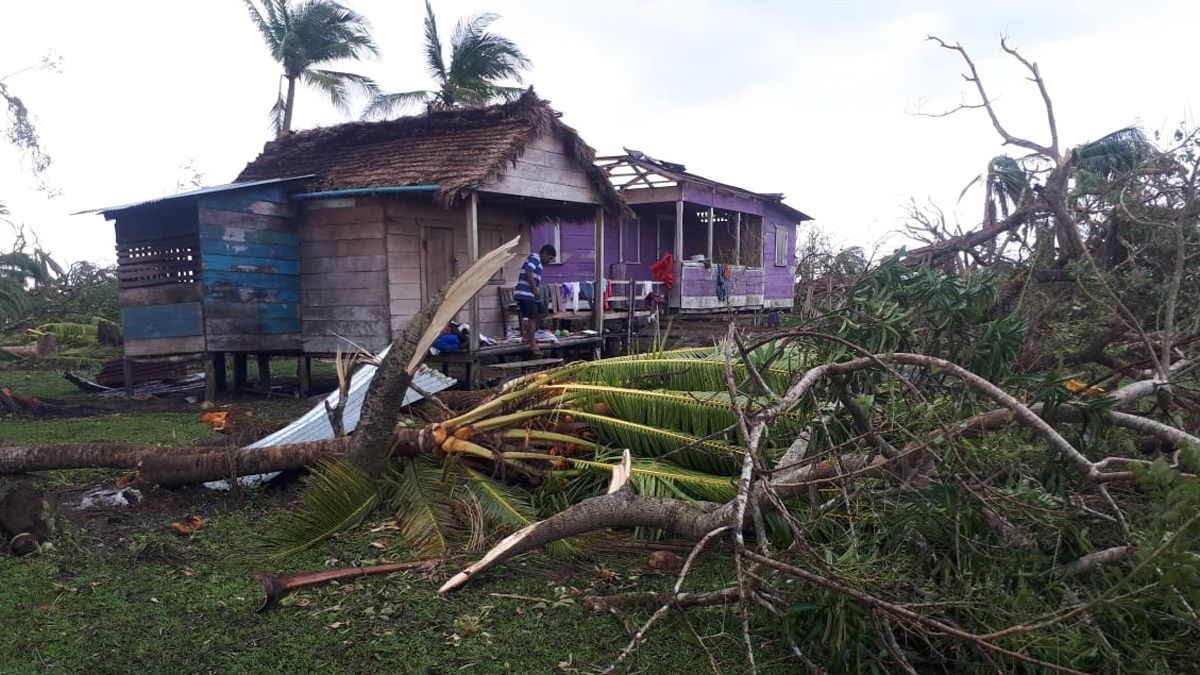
886	510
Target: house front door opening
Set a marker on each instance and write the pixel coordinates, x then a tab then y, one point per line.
438	263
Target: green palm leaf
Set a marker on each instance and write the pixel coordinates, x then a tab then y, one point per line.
646	441
423	505
654	478
506	505
337	497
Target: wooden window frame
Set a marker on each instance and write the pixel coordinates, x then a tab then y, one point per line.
787	240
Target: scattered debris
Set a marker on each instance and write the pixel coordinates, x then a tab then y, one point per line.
278	586
663	561
25	516
112	372
188	526
106	498
185	385
84	385
10	401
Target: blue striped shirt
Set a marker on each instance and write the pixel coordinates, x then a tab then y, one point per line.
533	265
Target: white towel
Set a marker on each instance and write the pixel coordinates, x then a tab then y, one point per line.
644	288
573	289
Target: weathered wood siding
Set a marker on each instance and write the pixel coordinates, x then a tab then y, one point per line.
159	272
407	255
545	171
343	275
249	248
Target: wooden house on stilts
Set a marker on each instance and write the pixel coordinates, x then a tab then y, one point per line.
334	237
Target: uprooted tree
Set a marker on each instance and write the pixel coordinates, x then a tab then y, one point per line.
981	458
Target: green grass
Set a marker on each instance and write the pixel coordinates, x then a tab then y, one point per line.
132	596
150	602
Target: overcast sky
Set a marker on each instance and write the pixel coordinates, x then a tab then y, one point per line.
813	99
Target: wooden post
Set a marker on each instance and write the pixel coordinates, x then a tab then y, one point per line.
214	376
737	241
679	251
709	254
127	376
631	318
264	371
239	371
473	306
598	301
219	380
305	367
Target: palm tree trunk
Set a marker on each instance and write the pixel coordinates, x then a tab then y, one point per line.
201	467
21	459
289	105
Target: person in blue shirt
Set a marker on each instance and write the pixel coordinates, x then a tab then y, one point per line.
528	293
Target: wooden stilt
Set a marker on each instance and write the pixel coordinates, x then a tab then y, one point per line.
304	372
210	378
127	375
239	371
264	371
218	375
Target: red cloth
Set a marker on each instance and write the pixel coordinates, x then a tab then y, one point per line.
664	269
607	292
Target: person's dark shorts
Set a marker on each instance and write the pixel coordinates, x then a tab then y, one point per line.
530	309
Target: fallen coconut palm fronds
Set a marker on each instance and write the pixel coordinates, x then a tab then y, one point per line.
279	586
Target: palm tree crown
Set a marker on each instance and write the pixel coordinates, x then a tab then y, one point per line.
479	60
309	33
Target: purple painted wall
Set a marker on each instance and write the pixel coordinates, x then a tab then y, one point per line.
577	251
779	281
720	200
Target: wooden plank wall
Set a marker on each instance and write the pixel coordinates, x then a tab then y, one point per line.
160	311
546	172
249	248
344	275
405	219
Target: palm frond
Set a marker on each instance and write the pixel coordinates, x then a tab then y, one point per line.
506	505
698	413
339	86
337	497
423	505
434	55
681	374
1116	153
654	478
264	28
383	106
646	441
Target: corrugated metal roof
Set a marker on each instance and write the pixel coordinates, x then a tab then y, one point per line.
211	190
314	424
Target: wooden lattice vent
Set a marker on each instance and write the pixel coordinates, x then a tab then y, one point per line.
159	261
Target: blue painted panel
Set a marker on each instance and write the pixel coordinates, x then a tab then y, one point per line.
229	293
223	233
226	279
249	249
158	321
249	264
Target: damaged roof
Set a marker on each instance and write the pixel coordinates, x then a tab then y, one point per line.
455	150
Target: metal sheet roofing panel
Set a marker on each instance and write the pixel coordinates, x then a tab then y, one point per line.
314	424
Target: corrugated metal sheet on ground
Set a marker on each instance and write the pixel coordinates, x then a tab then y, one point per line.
314	424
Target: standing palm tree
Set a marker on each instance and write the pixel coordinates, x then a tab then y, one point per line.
309	33
478	61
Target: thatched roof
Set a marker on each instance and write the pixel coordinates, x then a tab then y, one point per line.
454	149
